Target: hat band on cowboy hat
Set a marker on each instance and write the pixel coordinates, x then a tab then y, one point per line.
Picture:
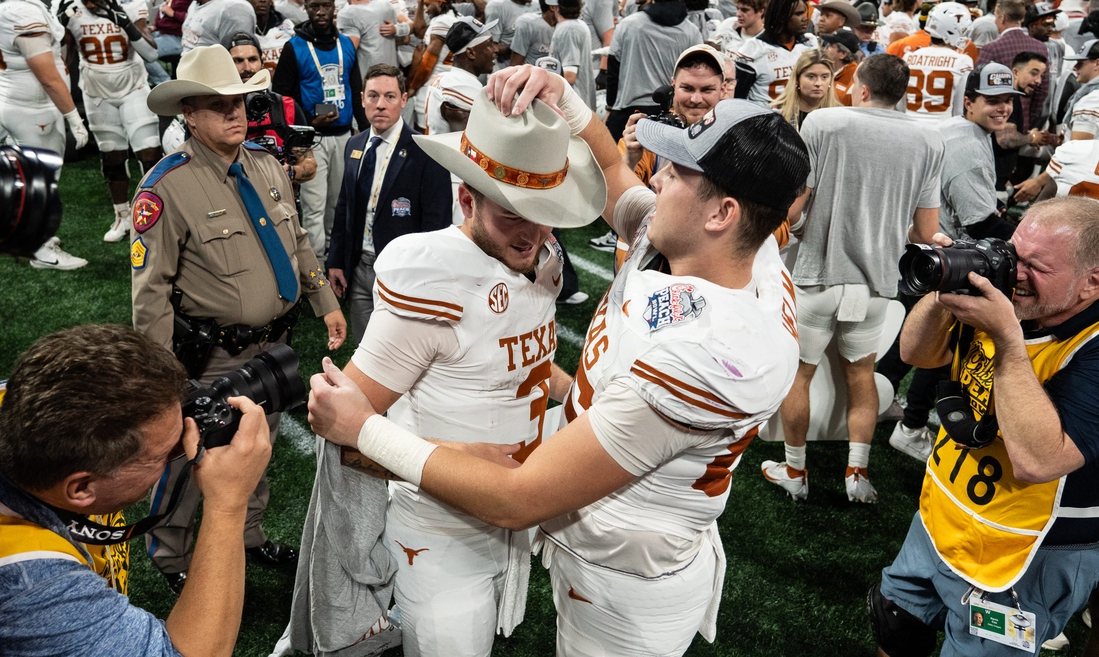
511	176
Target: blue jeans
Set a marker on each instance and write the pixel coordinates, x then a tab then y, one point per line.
167	45
1056	585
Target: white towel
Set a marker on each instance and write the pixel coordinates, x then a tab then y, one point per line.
854	303
708	629
513	599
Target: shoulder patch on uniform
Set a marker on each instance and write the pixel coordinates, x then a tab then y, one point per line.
165	165
138	252
676	303
146	210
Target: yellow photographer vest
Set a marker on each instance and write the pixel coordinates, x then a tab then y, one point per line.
986	524
22	540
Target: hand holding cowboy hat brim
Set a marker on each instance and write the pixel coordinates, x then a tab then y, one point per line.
529	164
204	71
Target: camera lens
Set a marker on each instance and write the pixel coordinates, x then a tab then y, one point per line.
921	269
30	207
271	380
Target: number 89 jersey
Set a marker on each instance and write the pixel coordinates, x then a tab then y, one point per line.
936	83
109	66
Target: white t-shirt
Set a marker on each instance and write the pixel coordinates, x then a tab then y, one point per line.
362	21
20	18
936	83
210	23
898	23
109	66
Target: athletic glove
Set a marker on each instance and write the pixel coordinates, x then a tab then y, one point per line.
112	11
65	11
76	126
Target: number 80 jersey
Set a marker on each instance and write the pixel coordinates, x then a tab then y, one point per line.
936	83
109	66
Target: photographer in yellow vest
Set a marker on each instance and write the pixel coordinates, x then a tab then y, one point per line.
91	417
1005	547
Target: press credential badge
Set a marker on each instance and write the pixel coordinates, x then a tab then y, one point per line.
1002	624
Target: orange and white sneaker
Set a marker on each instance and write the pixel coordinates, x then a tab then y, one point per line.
795	482
858	486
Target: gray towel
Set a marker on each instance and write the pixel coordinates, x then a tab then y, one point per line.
344	581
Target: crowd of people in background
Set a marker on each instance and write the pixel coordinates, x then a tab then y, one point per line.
923	123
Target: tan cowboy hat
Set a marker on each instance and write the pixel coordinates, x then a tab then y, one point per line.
204	71
529	164
844	7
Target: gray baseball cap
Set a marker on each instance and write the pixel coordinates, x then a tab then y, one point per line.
467	32
1087	51
992	79
686	147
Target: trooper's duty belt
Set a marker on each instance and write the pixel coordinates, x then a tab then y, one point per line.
238	337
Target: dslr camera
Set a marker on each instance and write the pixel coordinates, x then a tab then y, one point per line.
296	139
30	207
271	380
946	269
663	97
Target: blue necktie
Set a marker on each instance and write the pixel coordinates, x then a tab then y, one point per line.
265	228
369	162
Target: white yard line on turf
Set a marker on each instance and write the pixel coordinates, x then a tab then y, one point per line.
303	440
591	267
569	335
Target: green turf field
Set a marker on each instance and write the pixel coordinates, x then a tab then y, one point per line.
797	573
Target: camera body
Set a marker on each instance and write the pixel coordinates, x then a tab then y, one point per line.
663	97
30	207
946	269
271	380
295	138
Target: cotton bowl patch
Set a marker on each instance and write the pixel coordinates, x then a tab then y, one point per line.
672	305
138	251
147	209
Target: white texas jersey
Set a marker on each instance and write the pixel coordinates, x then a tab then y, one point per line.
1075	168
20	18
773	66
442	87
438	27
272	43
1085	116
708	357
936	83
109	66
497	386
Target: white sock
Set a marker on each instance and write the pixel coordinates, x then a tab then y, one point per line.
795	457
121	209
859	455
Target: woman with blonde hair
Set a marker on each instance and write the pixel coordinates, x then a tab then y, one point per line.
810	87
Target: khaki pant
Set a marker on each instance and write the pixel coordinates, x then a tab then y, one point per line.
169	544
319	195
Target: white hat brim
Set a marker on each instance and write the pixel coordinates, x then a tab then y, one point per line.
576	202
165	99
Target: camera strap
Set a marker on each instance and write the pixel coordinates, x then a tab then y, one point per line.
953	407
94	533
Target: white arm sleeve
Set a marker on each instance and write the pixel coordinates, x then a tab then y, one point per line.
396	350
637	437
633	207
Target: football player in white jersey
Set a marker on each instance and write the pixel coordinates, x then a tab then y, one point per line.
936	82
113	49
1073	171
765	63
35	103
460	347
431	59
692	348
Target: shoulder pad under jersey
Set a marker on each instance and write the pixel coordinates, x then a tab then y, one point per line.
168	163
416	279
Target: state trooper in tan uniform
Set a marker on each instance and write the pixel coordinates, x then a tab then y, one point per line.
220	264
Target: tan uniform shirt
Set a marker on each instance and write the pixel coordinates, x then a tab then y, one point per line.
201	240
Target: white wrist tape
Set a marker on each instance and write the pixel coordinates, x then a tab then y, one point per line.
577	114
395	449
403	29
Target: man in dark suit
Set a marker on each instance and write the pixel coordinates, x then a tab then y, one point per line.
390	188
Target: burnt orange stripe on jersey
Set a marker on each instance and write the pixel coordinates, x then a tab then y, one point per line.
417	309
705	394
670	387
1055	166
30	26
427	302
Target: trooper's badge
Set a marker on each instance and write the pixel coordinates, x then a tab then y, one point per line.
275	194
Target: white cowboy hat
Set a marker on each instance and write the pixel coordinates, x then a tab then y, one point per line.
204	71
529	164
